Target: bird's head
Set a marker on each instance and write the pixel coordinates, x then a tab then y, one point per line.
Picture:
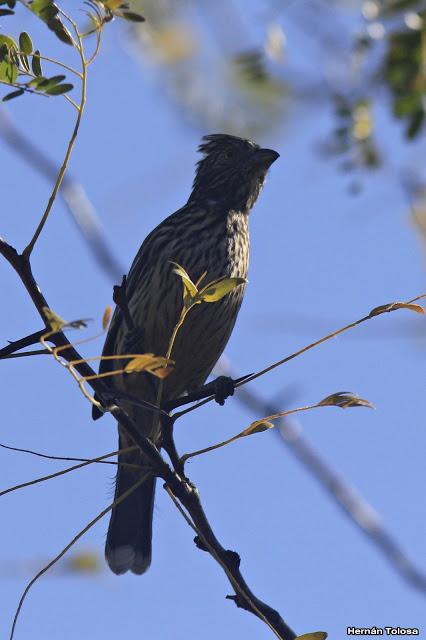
231	172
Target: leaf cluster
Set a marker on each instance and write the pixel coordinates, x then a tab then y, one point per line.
211	292
404	71
22	60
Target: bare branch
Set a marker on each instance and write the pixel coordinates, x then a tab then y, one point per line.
185	493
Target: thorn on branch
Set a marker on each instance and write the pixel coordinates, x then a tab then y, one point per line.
200	544
233	560
240	603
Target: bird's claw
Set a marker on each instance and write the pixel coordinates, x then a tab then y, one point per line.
223	386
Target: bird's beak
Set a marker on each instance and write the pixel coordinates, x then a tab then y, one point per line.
266	157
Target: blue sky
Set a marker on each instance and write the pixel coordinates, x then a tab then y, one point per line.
320	258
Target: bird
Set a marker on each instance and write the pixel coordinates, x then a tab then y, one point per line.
209	235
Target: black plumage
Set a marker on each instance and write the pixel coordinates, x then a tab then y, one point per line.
209	234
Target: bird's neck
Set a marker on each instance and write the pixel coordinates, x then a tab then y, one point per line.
241	199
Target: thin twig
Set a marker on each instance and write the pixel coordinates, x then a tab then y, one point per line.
69	545
64	471
344	495
28	249
52	457
73	194
244	433
270	367
56	62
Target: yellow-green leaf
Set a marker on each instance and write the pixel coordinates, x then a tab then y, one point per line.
157	365
189	286
219	288
393	306
112	4
56	322
257	427
139	363
345	400
316	635
10	42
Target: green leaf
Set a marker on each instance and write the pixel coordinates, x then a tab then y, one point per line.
36	64
219	288
317	635
130	15
112	5
47	83
47	11
13	94
59	89
25	43
4	51
36	81
415	123
6	12
8	71
10	42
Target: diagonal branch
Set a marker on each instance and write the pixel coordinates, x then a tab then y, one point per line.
184	492
33	338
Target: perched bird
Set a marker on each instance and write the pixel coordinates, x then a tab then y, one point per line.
208	234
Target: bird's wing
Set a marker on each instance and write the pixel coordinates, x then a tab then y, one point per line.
144	261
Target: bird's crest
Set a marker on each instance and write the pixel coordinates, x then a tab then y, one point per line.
216	141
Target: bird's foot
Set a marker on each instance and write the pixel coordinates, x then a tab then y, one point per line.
223	387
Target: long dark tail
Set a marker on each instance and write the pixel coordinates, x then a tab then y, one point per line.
129	539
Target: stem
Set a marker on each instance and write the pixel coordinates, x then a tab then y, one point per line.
18	85
244	433
169	353
58	63
28	249
253	376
